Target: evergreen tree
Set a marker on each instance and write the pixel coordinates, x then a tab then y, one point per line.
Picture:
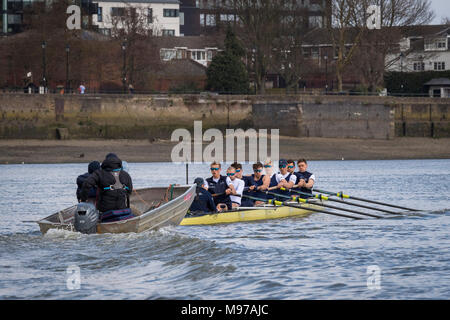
227	72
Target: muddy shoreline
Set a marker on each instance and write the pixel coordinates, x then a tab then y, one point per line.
76	151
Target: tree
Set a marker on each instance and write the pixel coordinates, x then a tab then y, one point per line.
227	72
352	39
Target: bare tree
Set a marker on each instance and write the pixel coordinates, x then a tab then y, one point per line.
373	55
133	31
350	34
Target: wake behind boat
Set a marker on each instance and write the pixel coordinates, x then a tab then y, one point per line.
153	208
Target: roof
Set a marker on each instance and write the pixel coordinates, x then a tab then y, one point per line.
181	68
190	42
438	82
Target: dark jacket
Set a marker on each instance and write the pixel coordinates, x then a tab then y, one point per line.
94	165
80	180
110	199
203	202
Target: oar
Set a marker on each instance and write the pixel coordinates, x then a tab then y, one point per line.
298	199
322	197
342	196
279	203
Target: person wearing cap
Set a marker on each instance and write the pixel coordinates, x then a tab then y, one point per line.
93	166
203	202
284	179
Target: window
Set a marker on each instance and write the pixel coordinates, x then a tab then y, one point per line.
210	55
168	32
202	19
419	66
149	15
315	52
170	13
117	12
181	18
99	14
167	54
315	21
210	20
198	55
438	66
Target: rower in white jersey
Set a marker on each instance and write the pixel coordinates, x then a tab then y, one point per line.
236	187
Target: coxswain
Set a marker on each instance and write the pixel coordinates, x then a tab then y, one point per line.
203	202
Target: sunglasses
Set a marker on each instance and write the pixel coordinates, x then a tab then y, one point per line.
230	174
258	170
267	166
238	170
215	169
282	166
290	167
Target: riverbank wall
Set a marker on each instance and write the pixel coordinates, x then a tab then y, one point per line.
33	116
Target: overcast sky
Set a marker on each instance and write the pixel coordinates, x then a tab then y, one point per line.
441	9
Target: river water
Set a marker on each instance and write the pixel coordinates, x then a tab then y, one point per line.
317	257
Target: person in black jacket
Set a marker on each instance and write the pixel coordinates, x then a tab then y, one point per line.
203	202
94	165
114	184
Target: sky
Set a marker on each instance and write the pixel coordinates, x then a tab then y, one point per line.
441	9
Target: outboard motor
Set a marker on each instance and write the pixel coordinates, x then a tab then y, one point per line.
86	218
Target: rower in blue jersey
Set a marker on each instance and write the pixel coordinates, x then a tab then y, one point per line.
259	183
305	178
284	179
217	186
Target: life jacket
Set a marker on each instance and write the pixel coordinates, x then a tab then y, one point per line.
118	187
218	188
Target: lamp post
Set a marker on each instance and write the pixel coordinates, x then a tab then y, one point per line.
326	73
402	56
67	68
124	70
44	73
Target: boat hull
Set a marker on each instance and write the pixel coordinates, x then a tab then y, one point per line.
170	213
248	214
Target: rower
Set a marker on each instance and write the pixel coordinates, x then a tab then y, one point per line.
245	202
260	182
305	178
235	187
217	184
284	179
291	166
203	202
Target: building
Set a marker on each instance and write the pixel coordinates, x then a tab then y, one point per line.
422	48
189	18
160	17
200	50
214	13
438	88
11	18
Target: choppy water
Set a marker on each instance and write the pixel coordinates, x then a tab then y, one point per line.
319	257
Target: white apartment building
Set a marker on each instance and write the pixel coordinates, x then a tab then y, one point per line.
417	53
159	16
